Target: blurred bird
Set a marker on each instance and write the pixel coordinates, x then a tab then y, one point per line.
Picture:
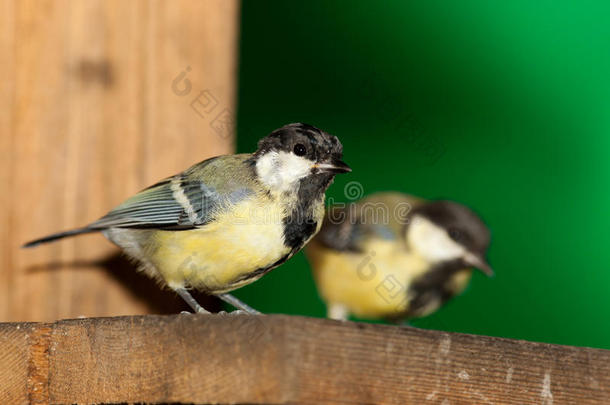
395	256
225	222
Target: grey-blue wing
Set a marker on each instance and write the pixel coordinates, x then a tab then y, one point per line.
345	228
188	200
176	203
341	229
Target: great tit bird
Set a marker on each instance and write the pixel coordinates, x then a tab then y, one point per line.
395	256
225	222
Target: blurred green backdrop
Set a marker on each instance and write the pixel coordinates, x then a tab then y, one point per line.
502	106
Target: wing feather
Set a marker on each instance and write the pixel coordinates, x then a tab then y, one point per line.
185	201
175	203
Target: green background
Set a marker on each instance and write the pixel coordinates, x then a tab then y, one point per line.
502	106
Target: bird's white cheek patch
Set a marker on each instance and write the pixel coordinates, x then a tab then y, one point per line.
281	170
432	241
294	167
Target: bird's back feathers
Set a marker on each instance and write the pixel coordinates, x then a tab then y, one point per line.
379	216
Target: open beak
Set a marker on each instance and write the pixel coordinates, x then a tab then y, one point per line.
335	166
479	262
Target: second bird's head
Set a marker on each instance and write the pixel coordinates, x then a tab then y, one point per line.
445	231
298	154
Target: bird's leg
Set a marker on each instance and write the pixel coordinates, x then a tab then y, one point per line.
229	299
186	296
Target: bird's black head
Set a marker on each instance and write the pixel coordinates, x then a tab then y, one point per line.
307	142
446	230
295	152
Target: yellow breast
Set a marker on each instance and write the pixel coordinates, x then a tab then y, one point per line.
372	284
217	257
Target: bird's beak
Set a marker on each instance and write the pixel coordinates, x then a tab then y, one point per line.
477	261
335	166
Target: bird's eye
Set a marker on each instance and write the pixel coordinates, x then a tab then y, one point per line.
299	149
455	234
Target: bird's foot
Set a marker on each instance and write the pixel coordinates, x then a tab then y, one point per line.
236	312
200	310
240	305
188	298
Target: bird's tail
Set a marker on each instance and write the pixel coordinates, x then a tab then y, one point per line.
59	235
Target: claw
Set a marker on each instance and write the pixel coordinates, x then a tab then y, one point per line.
236	312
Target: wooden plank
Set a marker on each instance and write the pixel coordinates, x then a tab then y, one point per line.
163	359
278	359
90	114
14	361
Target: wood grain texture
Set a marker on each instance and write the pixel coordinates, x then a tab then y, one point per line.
15	361
278	359
89	115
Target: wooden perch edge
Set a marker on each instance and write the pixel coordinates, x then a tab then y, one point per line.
277	359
